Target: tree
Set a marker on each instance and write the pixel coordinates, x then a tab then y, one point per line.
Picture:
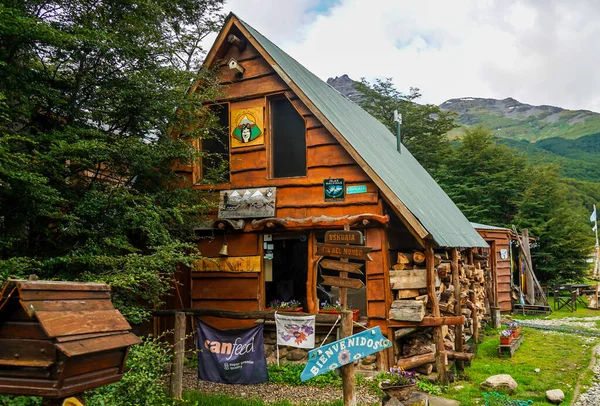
484	179
424	126
90	95
563	241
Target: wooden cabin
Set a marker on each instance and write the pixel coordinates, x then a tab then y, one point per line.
58	339
305	160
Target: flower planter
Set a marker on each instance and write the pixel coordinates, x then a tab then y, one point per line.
515	333
354	313
401	392
505	340
296	310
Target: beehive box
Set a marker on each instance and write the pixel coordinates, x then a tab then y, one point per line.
58	339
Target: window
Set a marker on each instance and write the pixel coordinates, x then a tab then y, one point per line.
288	140
215	148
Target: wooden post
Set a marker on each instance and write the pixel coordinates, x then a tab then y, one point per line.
529	283
178	353
312	301
458	329
440	350
346	331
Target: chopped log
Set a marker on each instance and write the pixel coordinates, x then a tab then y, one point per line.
407	310
400	267
447	295
425	369
437	259
461	356
404	258
404	331
410	279
422	298
418	345
418	258
416	360
408	293
443	269
429	322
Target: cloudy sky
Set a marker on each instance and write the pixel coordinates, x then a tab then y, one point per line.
537	51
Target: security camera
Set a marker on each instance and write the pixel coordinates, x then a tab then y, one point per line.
234	65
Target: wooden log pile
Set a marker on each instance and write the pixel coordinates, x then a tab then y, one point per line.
414	347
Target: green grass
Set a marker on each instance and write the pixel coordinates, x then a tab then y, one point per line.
560	357
581	311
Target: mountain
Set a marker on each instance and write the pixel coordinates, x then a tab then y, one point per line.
345	86
512	119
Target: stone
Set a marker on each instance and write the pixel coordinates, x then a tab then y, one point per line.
458	387
555	396
501	381
296	355
537	370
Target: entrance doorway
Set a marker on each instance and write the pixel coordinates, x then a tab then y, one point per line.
289	268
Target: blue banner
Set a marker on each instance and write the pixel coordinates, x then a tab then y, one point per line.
344	351
231	356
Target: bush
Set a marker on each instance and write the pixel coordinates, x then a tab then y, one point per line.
143	381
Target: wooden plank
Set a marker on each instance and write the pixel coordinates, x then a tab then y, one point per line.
203	276
302	195
252	86
24	363
22	329
225	288
319	136
27	350
57	324
239	245
376	309
91	345
410	279
351	283
248	161
375	288
61	286
344	237
36	295
429	322
228	264
334	265
328	155
344	251
82	365
86	336
407	310
67	305
254	67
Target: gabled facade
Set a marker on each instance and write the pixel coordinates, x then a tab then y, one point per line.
303	160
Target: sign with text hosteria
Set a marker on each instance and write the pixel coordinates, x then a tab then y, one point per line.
343	352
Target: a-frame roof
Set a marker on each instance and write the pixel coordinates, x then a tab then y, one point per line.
404	183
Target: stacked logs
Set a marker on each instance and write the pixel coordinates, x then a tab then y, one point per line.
414	346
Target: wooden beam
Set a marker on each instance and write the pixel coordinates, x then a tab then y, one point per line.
255	314
440	350
320	221
458	329
312	301
429	322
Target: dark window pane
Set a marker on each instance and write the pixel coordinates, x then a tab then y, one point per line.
215	162
288	138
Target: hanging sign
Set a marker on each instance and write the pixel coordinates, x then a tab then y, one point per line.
333	190
351	267
247	203
344	237
351	283
344	251
344	351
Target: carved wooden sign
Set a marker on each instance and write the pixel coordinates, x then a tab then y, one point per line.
247	203
351	283
350	267
344	237
344	251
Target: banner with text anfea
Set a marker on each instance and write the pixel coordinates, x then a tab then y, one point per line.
231	356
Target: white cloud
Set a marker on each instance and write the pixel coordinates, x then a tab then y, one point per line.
539	52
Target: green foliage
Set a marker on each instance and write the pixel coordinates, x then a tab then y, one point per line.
91	94
424	126
289	374
431	388
143	382
8	400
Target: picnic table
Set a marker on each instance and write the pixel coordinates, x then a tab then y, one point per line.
567	295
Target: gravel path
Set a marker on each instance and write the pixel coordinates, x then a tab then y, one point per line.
270	392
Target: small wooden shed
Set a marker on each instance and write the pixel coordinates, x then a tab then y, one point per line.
58	339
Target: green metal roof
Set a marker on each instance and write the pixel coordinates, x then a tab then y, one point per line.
479	226
401	172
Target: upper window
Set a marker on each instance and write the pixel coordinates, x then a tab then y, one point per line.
288	140
215	148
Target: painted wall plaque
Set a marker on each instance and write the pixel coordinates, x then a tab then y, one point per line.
333	190
247	203
357	189
344	351
247	127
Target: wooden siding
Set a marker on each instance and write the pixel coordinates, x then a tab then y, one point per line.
503	287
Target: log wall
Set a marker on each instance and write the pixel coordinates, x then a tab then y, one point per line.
503	287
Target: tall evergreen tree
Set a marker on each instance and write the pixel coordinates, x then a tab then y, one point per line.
89	96
424	126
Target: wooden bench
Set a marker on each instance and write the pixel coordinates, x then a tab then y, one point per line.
509	349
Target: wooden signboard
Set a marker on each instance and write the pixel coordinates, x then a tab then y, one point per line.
344	251
247	203
228	264
334	265
351	283
344	237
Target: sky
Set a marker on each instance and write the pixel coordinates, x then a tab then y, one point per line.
536	51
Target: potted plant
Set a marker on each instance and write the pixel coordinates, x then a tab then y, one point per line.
506	337
515	328
398	383
329	308
285	306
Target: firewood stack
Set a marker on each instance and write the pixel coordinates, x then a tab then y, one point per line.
414	346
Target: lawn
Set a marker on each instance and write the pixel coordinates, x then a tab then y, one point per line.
199	399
